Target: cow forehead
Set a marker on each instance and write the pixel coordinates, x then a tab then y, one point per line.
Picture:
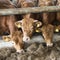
27	25
27	22
27	28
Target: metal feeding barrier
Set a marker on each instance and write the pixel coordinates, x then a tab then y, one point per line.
29	10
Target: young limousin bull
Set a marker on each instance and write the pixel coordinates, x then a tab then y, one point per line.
17	38
47	32
7	23
28	26
47	18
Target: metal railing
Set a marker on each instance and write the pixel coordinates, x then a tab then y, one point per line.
29	10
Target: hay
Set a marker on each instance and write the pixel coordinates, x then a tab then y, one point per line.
32	52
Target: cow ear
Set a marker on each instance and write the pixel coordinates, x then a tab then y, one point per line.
38	23
18	24
35	21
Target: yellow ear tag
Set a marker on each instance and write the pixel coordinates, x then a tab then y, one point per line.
37	30
18	25
57	30
6	38
38	25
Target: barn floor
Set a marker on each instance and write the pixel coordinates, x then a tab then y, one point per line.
33	51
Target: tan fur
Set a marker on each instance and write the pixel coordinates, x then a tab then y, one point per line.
28	3
6	4
47	17
17	39
47	31
27	21
58	13
7	23
27	24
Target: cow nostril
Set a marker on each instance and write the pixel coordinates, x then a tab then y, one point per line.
27	39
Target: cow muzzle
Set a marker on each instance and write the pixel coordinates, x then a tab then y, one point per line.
26	39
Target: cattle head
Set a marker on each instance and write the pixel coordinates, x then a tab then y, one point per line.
17	38
47	31
28	27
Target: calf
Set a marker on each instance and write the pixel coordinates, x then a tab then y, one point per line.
27	21
17	38
7	23
47	19
28	27
47	32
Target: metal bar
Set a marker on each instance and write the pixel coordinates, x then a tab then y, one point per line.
29	10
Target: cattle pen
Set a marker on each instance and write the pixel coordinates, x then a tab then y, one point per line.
36	48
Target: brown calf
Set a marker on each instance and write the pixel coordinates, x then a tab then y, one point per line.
28	26
7	23
47	17
27	21
17	38
47	32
